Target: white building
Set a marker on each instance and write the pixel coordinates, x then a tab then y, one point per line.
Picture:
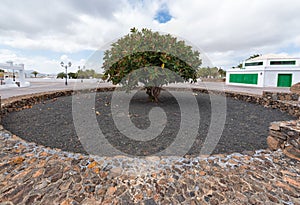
266	71
13	81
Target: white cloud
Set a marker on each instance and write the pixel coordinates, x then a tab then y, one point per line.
6	55
64	58
30	63
228	31
40	63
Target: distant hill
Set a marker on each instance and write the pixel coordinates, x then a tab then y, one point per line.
28	72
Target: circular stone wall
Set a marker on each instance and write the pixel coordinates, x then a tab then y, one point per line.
51	124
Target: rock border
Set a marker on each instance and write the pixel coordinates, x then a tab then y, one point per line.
285	135
33	174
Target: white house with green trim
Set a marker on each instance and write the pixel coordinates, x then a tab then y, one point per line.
266	71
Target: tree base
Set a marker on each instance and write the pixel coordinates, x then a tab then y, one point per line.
153	93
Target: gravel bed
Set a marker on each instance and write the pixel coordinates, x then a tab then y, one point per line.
51	124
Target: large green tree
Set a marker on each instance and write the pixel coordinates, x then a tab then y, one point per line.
152	59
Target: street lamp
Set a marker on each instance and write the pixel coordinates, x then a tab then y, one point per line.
66	67
14	77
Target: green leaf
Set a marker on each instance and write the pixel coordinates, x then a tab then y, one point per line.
145	48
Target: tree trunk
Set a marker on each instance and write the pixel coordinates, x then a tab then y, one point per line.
153	93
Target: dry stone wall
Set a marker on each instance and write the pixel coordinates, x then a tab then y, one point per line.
281	96
286	136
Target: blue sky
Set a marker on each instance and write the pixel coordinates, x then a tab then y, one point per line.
163	15
226	31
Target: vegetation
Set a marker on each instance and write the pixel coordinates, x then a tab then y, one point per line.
251	57
152	59
61	75
1	71
222	72
208	72
72	75
35	73
89	73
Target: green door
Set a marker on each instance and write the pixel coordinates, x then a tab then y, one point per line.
284	80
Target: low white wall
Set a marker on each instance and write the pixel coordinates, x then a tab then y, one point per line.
9	83
62	80
8	86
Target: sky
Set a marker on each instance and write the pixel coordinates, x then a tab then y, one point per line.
41	34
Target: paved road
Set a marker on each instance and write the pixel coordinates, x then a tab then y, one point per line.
37	87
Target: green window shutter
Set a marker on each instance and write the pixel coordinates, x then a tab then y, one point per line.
244	78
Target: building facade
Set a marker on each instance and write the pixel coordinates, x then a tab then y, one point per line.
14	76
266	71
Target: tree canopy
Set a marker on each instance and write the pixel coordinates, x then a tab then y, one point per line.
152	59
208	72
35	73
88	73
82	74
240	65
253	56
61	75
72	75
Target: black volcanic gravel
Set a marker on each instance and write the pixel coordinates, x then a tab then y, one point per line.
51	124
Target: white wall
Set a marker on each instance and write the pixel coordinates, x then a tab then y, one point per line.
296	77
62	80
271	77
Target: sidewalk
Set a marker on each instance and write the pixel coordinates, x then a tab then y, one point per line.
39	87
